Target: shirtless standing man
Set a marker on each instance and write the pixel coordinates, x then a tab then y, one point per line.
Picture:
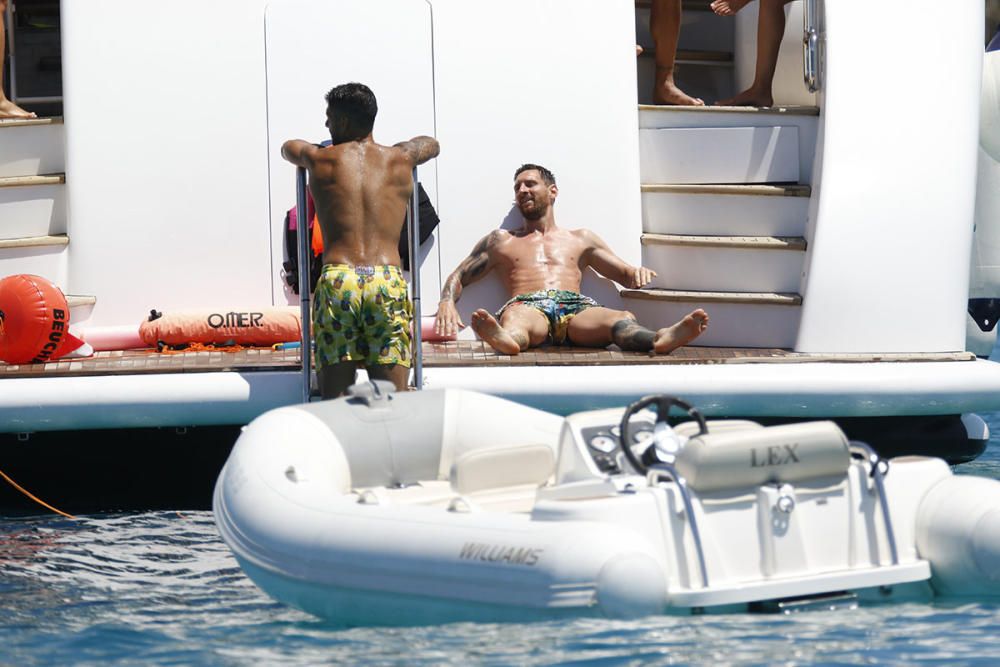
361	312
541	266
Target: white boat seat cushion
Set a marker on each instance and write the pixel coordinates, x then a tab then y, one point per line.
499	467
752	457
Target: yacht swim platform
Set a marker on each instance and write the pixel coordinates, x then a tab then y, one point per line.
440	355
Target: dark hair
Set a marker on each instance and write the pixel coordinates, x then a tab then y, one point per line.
356	102
547	176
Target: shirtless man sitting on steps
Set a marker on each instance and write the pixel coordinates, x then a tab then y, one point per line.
542	266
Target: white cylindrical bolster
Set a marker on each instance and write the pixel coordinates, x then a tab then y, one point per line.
744	458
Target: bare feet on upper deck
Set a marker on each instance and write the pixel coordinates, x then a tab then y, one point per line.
690	327
666	91
748	98
10	110
728	7
487	327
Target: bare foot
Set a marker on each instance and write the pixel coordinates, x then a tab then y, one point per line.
667	92
748	98
669	339
10	110
490	330
728	7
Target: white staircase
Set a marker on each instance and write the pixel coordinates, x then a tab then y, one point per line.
33	220
725	195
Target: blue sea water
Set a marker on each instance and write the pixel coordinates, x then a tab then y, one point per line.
162	589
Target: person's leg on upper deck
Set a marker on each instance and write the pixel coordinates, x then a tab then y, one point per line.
7	108
599	327
665	26
770	30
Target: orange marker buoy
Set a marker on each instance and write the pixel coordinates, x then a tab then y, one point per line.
34	320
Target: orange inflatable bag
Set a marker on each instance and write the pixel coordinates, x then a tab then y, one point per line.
253	326
34	321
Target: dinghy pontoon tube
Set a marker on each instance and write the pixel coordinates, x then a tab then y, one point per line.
446	505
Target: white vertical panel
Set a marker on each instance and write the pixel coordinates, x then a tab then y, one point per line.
166	155
314	45
545	81
888	264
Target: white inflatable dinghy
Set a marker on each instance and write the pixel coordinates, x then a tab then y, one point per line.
435	506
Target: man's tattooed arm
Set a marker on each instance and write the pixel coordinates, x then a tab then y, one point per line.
472	268
475	266
420	149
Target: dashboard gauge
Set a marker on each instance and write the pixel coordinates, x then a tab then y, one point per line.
603	443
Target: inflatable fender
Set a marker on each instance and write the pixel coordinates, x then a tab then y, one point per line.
34	321
427	333
124	337
252	326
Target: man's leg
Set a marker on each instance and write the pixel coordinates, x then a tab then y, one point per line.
598	327
397	374
665	26
519	328
7	108
770	30
336	378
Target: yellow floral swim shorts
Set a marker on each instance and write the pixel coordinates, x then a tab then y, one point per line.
361	314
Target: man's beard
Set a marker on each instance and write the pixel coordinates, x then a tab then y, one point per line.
535	214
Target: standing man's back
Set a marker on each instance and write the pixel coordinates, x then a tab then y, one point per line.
361	312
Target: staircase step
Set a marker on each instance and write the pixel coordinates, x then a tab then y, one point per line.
31	147
739	242
794	123
725	210
80	300
46	256
26	181
701	28
725	264
32	206
35	241
781	190
7	123
736	319
699	155
659	116
742	298
695	56
689	5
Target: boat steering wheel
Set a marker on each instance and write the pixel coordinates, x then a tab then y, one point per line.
663	403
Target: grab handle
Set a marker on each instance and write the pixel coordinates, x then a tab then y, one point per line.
810	46
305	312
413	231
